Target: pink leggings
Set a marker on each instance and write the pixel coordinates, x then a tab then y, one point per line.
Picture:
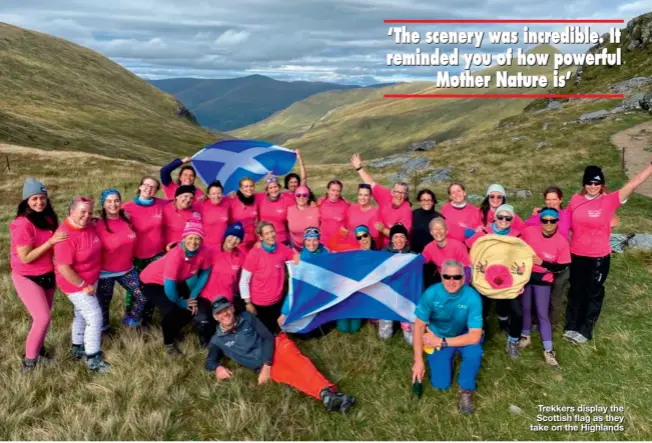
39	305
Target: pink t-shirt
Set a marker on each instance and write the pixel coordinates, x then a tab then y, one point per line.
225	274
24	233
553	249
388	214
175	266
248	216
459	219
356	217
288	198
517	223
275	212
215	219
82	251
332	216
147	221
117	246
299	220
268	273
174	221
563	225
454	250
513	232
591	223
172	188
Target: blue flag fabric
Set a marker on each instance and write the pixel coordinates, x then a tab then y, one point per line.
231	160
354	284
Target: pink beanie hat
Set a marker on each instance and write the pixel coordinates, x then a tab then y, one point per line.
193	226
302	190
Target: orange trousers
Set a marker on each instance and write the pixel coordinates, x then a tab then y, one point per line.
292	368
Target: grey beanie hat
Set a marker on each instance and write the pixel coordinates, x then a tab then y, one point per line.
33	187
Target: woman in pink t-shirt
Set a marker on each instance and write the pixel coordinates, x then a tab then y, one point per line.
177	213
394	205
187	177
118	239
301	216
32	271
244	210
462	218
272	207
215	212
226	265
263	276
78	262
363	213
592	211
332	211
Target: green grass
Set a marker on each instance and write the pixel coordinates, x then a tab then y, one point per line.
57	95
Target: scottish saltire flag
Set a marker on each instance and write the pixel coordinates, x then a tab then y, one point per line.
354	284
231	160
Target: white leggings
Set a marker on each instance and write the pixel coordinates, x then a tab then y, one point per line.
87	323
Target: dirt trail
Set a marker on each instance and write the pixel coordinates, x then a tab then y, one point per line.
636	139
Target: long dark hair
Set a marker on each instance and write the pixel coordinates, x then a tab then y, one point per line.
186	168
45	221
485	207
121	214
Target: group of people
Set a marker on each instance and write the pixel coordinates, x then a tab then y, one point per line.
218	262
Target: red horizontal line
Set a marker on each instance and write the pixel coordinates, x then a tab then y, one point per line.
504	96
508	21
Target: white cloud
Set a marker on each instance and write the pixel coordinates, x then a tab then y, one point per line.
231	38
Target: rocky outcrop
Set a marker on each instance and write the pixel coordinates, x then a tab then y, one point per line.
437	176
592	116
391	160
425	145
639	31
646	101
404	173
183	112
629	85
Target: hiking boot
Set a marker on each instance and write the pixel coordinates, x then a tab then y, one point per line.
512	349
551	359
78	351
349	401
409	338
172	350
29	365
95	363
336	401
385	329
466	401
524	341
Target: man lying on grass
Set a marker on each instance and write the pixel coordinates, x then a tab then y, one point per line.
452	311
244	339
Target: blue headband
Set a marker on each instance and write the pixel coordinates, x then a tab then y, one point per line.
361	228
108	192
549	212
311	233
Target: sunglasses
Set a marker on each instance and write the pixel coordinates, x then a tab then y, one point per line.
456	277
594	183
301	195
504	217
361	236
546	221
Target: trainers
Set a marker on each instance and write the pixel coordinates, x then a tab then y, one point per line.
95	363
571	336
348	401
524	341
580	339
409	338
466	401
512	349
332	400
551	358
29	365
78	351
385	329
172	350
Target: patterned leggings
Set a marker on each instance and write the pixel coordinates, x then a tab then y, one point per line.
131	283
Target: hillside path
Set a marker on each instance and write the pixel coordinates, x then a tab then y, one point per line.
636	139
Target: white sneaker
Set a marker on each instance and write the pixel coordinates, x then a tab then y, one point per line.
580	339
385	329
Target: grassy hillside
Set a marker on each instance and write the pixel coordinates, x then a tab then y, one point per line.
57	95
333	127
227	104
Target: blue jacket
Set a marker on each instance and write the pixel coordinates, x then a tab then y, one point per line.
249	344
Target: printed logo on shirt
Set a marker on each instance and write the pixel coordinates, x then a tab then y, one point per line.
228	344
548	256
197	215
158	215
460	306
277	266
280	211
595	213
96	239
339	218
132	235
235	267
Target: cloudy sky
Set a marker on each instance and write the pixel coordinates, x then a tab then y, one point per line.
341	41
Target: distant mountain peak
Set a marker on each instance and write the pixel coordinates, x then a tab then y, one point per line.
543	49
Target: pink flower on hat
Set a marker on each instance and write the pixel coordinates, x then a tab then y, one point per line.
499	277
193	226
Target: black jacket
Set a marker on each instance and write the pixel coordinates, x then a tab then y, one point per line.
420	235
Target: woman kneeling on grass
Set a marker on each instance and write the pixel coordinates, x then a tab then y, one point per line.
174	283
78	264
32	270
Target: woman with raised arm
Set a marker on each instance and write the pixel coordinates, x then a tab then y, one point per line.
187	177
393	205
462	218
214	210
592	211
118	246
78	264
292	181
32	239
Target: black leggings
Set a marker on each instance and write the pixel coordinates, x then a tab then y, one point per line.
269	315
587	277
510	308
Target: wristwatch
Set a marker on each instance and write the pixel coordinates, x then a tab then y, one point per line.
444	343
